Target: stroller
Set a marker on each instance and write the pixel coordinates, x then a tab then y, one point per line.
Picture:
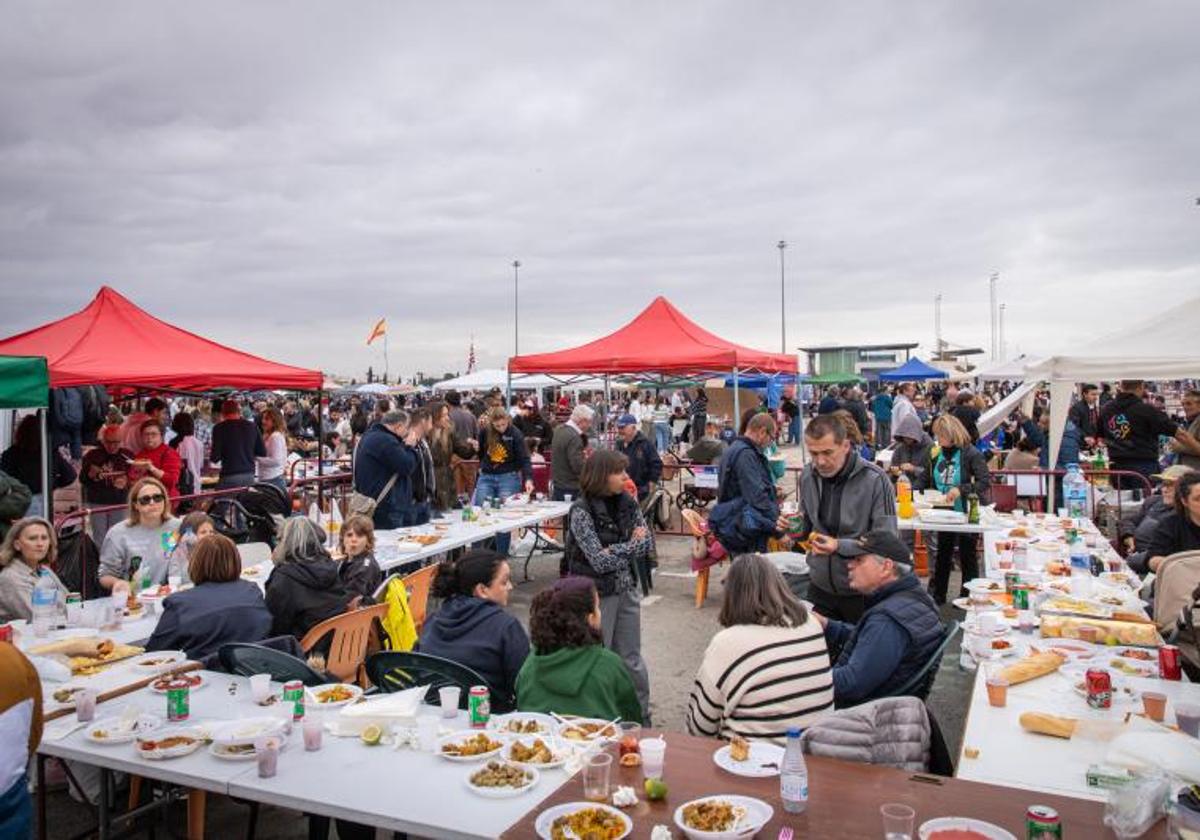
694	495
253	515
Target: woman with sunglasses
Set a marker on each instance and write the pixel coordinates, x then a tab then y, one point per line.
145	534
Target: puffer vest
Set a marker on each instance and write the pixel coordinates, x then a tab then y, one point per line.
910	606
610	531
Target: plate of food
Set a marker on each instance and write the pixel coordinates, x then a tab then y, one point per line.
122	730
252	571
233	752
333	695
967	605
193	680
588	729
160	746
536	750
245	730
502	779
159	660
722	817
573	820
65	696
752	759
523	723
468	746
1002	648
155	593
1133	668
961	828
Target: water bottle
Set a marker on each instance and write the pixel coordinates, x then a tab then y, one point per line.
43	604
793	776
1075	492
1081	566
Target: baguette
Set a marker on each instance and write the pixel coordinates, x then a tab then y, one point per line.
1044	724
85	646
1033	666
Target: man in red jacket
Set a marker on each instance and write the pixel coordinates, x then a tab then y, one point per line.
157	459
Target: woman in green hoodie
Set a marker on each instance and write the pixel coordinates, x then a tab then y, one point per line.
570	671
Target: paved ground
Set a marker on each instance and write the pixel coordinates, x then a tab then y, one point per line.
674	635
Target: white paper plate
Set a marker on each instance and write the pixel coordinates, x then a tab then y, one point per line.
244	731
546	819
561	752
464	735
547	724
222	751
758	814
531	775
190	675
158	660
145	725
171	752
760	753
315	690
610	734
992	832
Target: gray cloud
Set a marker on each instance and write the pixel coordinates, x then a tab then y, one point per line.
279	175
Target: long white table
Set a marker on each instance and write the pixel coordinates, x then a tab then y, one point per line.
396	789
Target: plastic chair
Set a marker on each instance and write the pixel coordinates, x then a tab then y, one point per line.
392	671
921	683
352	632
246	660
418	585
380	591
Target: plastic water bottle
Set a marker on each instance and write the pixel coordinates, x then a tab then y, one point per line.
43	603
1081	566
1075	492
793	776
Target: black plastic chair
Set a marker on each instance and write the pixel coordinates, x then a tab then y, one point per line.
246	660
392	671
921	683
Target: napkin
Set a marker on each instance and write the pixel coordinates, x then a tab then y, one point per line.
402	706
1172	752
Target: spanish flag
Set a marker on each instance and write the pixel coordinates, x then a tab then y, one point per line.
379	329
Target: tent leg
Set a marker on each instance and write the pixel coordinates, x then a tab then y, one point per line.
321	442
47	490
737	404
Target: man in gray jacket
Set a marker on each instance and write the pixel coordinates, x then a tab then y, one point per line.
566	452
842	497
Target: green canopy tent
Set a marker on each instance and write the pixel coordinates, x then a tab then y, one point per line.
25	383
834	379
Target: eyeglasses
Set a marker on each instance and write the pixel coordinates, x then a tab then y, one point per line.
151	500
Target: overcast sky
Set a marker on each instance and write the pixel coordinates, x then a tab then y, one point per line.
279	175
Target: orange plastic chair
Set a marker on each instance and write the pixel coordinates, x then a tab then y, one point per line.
417	586
352	636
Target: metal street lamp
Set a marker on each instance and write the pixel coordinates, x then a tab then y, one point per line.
516	307
782	306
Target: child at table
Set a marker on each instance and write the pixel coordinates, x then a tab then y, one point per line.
359	571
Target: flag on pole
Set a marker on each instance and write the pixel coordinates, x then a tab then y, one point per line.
471	357
378	330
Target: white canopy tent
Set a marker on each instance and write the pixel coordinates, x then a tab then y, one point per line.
1159	348
484	380
1012	370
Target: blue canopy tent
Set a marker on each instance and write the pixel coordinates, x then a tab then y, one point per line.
912	370
771	385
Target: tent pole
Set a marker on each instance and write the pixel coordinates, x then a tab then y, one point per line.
607	399
737	405
508	390
321	440
47	490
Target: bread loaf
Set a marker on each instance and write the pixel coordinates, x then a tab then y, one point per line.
1033	666
1044	724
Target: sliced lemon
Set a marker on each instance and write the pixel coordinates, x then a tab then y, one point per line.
372	735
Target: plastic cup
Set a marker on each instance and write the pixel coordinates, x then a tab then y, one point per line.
1187	716
898	821
567	497
997	691
1154	704
596	777
174	581
449	697
314	730
85	705
266	751
654	755
427	732
260	687
1025	621
118	599
988	622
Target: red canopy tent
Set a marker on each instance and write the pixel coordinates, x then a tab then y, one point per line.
659	340
114	343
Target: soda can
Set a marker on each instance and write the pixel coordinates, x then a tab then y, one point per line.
1099	688
1020	596
480	706
1042	823
1169	666
73	598
1011	581
293	692
178	700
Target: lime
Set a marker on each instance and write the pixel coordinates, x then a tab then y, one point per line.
371	735
656	789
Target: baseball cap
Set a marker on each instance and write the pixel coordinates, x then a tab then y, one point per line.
882	543
1173	473
626	420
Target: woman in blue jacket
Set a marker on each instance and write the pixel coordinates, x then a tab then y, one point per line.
219	609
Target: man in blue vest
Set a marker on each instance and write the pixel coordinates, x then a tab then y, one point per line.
897	633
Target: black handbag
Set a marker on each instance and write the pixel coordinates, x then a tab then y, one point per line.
78	563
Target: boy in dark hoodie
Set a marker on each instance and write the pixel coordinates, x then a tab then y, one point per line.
472	627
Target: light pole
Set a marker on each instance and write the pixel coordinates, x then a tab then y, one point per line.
516	306
782	306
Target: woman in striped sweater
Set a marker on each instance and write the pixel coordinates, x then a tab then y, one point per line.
768	670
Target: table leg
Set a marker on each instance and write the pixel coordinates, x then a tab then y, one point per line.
103	827
701	587
197	799
135	792
532	548
41	796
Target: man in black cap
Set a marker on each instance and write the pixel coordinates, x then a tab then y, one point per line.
897	633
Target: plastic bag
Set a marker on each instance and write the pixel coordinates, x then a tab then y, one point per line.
1132	809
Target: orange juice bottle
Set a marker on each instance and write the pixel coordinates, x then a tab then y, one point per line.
904	497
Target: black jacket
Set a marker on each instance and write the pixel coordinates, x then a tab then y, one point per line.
974	476
968	415
507	454
645	465
1174	534
360	575
859	412
482	636
199	620
1085	418
379	456
1131	427
302	595
28	470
